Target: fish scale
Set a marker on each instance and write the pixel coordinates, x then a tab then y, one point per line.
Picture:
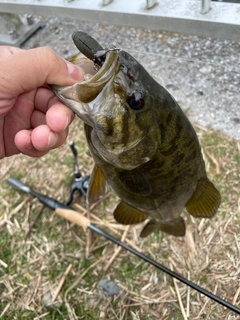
142	143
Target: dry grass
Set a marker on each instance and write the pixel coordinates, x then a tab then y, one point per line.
31	270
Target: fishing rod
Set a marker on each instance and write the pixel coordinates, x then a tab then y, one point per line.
77	218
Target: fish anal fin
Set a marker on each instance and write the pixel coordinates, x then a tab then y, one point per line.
97	186
174	227
150	227
134	181
126	214
204	201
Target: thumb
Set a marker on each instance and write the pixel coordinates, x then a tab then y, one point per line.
24	70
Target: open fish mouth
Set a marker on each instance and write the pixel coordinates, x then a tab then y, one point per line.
101	101
85	98
96	79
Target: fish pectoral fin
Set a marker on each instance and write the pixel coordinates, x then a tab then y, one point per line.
134	181
174	227
204	201
126	214
97	186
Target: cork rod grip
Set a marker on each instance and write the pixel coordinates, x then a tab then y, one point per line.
74	217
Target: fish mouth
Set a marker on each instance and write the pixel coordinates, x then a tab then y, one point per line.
85	98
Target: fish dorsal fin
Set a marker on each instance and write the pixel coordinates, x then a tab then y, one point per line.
205	200
174	227
126	214
135	181
97	186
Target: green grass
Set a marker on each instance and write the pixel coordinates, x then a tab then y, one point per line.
31	270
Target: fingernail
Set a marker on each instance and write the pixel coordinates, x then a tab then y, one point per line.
29	146
52	140
75	72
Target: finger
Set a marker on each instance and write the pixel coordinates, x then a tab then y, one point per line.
38	118
43	138
28	69
44	98
23	142
39	141
58	116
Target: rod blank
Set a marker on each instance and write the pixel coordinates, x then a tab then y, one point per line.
81	220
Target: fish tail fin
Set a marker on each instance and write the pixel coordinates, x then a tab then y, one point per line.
205	200
174	227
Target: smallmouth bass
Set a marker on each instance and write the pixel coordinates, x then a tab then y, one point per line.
142	143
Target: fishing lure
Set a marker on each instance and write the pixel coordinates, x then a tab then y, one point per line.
91	48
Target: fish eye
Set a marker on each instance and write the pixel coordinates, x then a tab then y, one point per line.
136	100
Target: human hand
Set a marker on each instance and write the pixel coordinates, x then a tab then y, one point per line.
32	118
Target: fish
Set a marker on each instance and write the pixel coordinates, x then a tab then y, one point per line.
142	143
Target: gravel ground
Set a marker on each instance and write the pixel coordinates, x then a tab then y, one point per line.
203	74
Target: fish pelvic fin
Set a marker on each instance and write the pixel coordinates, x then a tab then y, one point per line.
205	200
97	187
174	227
126	214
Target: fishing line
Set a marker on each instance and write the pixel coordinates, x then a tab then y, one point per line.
75	217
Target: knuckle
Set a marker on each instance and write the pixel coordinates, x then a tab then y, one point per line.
49	53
